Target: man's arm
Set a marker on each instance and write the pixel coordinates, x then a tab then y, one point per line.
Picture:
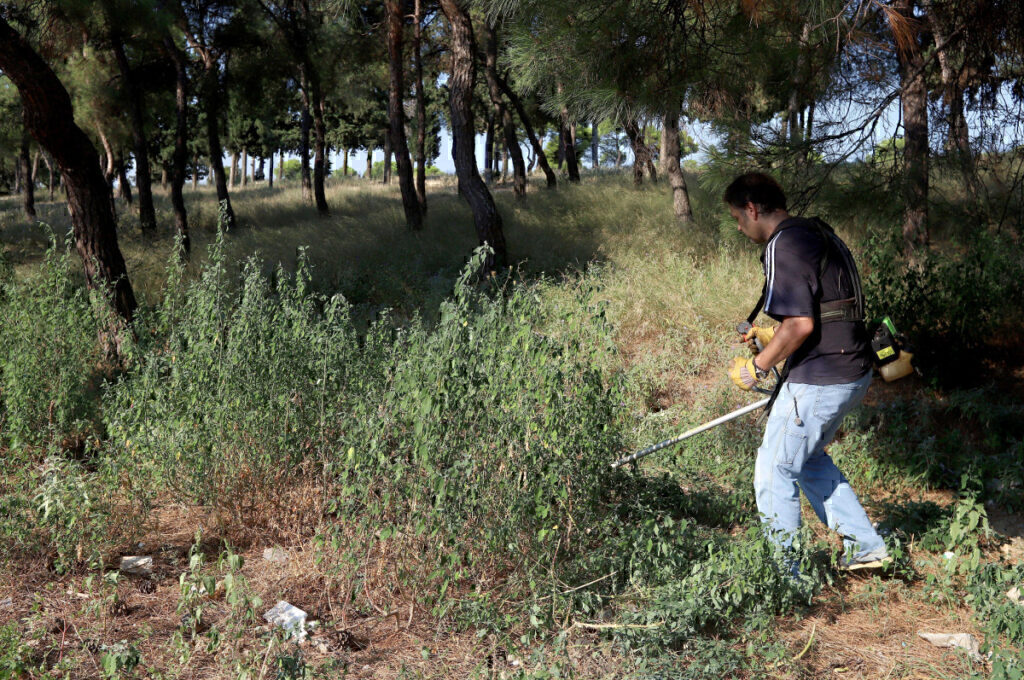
790	334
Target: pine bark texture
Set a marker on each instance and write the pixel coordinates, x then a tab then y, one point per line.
489	150
680	196
460	84
421	109
49	118
636	141
914	100
538	149
28	194
319	150
179	156
124	187
305	125
143	176
569	141
396	117
212	101
501	113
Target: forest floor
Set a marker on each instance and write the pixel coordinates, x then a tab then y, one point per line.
671	323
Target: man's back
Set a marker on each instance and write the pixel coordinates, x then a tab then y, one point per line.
838	351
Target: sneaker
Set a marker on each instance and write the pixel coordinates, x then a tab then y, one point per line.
877	559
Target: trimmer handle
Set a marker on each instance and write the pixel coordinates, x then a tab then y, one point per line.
743	327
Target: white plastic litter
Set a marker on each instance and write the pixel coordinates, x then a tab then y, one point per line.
289	617
1015	595
949	555
275	555
140	566
961	640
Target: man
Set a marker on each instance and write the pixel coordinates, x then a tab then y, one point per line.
812	289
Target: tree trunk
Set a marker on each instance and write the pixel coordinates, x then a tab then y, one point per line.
270	171
639	150
560	154
421	110
680	196
569	135
652	171
501	113
212	100
305	123
460	85
178	158
958	136
663	148
124	187
50	119
280	164
245	166
386	170
344	162
143	177
17	172
28	196
538	148
233	171
595	161
489	150
195	172
49	170
369	162
109	167
914	100
496	152
319	147
396	117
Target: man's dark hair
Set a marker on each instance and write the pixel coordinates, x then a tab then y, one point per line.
757	188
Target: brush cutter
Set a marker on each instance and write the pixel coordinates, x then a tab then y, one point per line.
689	433
742	328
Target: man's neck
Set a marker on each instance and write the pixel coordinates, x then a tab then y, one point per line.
772	221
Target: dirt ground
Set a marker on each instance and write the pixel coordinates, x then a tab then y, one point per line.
862	627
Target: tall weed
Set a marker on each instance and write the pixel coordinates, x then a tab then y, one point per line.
49	354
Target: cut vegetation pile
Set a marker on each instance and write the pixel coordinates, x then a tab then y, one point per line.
426	455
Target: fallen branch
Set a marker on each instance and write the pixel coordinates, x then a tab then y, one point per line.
613	626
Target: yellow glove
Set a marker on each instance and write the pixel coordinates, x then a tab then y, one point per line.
744	373
762	334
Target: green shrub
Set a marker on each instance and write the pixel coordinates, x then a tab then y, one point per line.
986	592
15	654
292	169
479	435
49	354
951	301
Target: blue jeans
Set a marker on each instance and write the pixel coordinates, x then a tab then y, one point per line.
803	420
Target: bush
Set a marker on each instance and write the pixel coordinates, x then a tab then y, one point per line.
292	169
986	592
951	301
476	436
49	355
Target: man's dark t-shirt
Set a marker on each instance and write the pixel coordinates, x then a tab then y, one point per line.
836	352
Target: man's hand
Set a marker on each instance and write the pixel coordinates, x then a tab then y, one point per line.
743	372
760	334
